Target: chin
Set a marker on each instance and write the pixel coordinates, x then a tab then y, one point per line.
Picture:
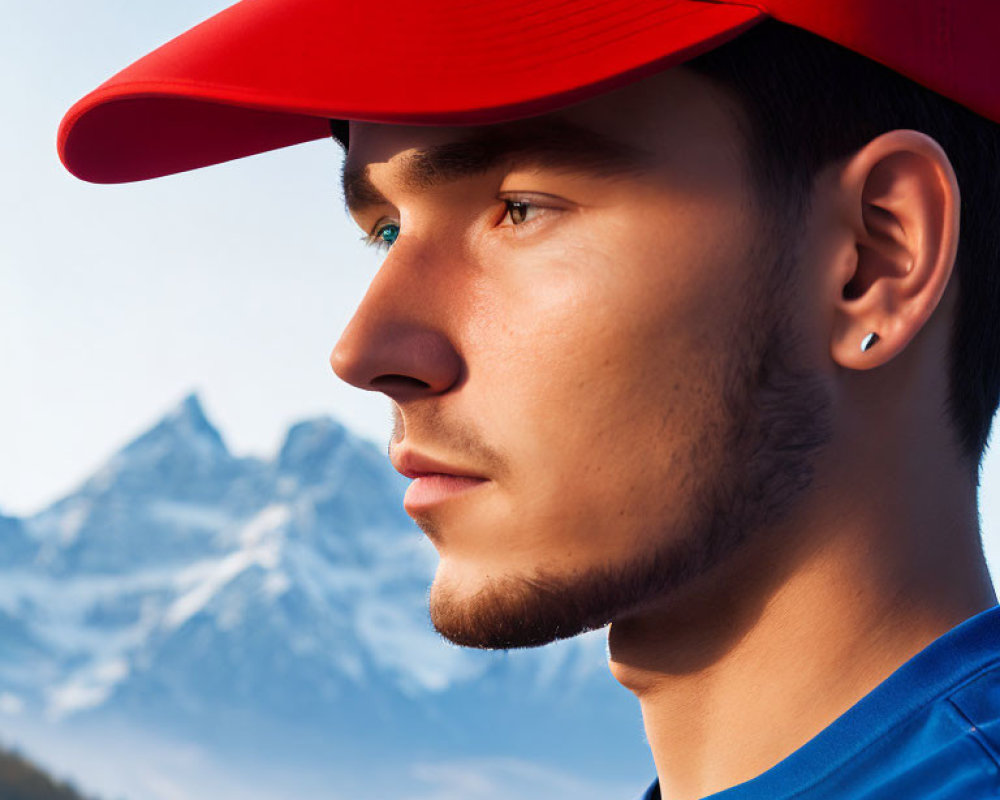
502	613
474	608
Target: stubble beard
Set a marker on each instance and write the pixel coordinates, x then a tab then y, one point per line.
778	419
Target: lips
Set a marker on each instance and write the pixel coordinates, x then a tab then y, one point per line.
434	482
414	465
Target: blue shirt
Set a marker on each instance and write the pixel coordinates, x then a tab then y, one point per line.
930	731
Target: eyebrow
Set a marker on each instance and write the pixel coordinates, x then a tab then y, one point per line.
552	144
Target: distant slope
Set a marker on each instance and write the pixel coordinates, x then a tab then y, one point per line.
22	780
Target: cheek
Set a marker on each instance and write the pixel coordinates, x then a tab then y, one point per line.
599	376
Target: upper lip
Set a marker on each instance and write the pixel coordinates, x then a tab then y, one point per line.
414	465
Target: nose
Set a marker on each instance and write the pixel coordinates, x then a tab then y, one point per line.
396	342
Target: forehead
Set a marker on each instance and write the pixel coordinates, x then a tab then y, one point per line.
674	115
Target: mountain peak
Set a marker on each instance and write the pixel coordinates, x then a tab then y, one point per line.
191	411
188	420
183	428
312	441
192	401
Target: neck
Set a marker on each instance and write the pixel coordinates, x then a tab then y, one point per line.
750	661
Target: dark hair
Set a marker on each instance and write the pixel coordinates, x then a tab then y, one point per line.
809	102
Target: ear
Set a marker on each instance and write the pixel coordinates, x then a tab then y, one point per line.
901	203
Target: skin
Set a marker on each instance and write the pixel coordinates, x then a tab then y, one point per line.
661	396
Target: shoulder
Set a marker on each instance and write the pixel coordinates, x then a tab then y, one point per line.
951	745
977	706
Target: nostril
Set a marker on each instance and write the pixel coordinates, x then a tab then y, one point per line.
391	384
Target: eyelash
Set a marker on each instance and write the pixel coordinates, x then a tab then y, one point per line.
376	240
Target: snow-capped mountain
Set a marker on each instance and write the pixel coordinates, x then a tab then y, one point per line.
243	605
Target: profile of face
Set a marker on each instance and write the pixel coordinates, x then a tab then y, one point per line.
582	320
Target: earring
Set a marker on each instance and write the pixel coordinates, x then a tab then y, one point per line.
869	342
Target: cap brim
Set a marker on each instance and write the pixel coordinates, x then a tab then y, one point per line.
265	74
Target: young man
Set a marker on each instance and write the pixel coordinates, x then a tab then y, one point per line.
688	321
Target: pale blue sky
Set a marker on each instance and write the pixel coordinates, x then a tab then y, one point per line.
116	301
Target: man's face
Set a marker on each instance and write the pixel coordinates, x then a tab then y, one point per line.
589	341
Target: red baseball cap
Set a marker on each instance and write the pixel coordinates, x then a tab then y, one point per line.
265	74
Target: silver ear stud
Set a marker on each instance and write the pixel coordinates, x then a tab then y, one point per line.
869	342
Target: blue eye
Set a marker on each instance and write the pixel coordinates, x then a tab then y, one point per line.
388	233
382	236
